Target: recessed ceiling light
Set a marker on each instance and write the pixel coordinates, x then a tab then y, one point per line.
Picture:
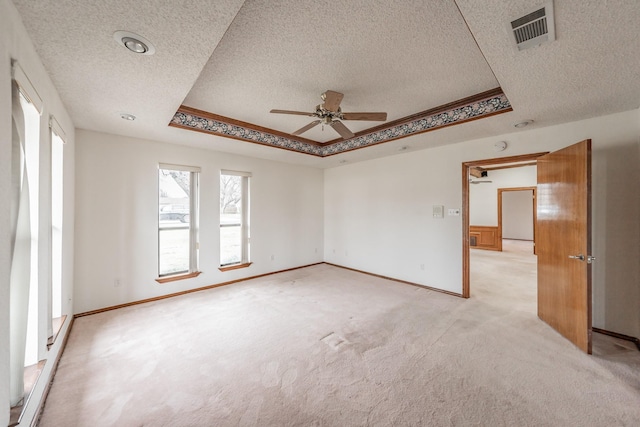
523	124
127	116
134	42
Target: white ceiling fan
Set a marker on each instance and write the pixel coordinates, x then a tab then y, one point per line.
330	113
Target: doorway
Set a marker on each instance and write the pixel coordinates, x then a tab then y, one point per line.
517	216
502	163
563	238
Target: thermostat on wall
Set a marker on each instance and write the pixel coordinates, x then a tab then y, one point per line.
438	211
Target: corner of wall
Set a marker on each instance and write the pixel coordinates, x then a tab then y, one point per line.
15	43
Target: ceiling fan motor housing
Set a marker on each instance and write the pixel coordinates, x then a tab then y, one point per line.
326	115
330	113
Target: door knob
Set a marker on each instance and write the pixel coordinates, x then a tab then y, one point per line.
581	257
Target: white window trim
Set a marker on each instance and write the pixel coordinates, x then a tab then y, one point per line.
194	206
175	167
56	131
55	127
245	229
26	88
234	173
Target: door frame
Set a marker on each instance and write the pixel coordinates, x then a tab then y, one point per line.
466	166
533	204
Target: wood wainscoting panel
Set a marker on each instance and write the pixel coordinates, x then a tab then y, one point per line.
485	237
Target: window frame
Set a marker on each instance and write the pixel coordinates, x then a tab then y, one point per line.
57	144
194	205
245	237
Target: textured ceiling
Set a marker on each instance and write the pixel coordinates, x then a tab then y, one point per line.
382	56
241	59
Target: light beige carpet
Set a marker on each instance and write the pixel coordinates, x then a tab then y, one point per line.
324	346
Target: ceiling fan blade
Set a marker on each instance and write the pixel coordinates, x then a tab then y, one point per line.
342	129
374	117
307	127
298	113
332	100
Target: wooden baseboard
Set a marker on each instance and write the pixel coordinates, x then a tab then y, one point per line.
176	294
634	340
455	294
45	394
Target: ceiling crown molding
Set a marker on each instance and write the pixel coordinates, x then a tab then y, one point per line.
475	107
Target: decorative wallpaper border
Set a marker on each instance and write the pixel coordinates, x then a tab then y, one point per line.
479	106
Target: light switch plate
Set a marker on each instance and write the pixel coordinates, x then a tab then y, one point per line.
438	211
454	212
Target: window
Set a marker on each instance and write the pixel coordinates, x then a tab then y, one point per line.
234	219
177	220
57	145
32	156
25	317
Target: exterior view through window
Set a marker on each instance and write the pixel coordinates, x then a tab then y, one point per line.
177	219
234	218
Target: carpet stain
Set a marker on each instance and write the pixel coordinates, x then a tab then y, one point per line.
288	378
334	341
270	376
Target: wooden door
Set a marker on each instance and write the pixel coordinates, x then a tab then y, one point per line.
564	242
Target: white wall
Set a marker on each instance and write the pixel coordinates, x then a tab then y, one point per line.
378	213
517	214
117	217
483	198
15	44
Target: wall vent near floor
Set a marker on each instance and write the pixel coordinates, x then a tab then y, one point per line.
534	28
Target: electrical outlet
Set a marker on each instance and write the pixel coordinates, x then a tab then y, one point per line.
116	283
272	257
422	267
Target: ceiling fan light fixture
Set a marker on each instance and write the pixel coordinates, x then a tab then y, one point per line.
134	43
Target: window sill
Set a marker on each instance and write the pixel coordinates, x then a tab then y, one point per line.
56	325
235	266
31	375
167	279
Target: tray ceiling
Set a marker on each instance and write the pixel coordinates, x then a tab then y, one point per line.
240	59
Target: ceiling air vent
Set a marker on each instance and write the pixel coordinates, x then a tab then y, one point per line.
534	28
